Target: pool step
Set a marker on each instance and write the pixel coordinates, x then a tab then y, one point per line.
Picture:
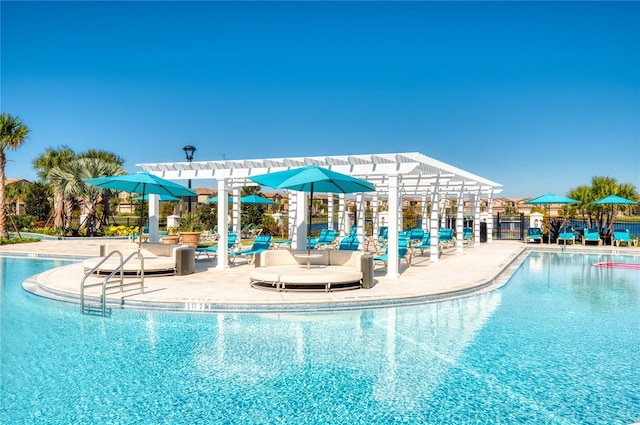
96	310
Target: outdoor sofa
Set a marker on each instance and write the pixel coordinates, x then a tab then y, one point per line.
286	270
158	258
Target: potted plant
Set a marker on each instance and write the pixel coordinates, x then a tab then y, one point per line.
172	237
190	230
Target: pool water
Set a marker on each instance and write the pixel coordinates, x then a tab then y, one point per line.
557	345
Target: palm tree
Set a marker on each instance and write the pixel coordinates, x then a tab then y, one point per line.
602	215
50	159
69	178
112	158
13	133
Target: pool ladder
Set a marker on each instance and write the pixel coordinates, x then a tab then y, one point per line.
101	307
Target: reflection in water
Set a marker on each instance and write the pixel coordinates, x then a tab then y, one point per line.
384	350
574	274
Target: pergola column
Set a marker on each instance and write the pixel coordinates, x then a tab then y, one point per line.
235	213
293	214
330	211
460	220
360	219
392	241
476	218
424	213
301	224
223	226
154	214
342	211
374	215
490	219
434	252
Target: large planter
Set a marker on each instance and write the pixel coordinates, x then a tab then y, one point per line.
171	239
190	238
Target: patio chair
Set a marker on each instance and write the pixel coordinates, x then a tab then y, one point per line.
565	236
246	230
279	244
623	236
403	254
349	244
232	240
424	244
446	238
467	235
377	241
533	234
324	240
415	235
261	243
591	235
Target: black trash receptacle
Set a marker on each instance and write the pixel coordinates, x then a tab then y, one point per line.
483	232
185	261
366	263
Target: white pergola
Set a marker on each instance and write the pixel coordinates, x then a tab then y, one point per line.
395	175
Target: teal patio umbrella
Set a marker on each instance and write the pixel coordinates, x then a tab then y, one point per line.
215	199
142	183
255	199
613	200
549	199
161	198
313	179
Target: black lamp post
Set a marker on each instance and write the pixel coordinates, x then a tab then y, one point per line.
189	150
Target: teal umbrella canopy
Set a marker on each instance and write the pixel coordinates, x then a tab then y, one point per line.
314	179
143	183
551	198
614	200
255	199
162	198
215	199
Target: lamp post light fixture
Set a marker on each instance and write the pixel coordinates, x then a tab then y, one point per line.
189	150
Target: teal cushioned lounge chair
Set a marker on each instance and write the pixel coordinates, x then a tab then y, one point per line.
623	236
591	235
327	237
260	244
467	234
446	238
213	250
534	234
349	244
403	253
565	236
424	244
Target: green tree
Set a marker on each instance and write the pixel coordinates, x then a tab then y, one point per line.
14	193
251	213
37	202
50	159
13	134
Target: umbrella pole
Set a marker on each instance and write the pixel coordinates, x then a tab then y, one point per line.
141	217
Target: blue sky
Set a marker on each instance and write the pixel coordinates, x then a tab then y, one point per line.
537	96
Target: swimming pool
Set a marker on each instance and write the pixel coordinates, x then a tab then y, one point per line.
557	345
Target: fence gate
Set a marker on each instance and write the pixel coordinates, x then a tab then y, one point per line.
510	227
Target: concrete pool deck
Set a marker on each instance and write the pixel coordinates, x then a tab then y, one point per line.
474	270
